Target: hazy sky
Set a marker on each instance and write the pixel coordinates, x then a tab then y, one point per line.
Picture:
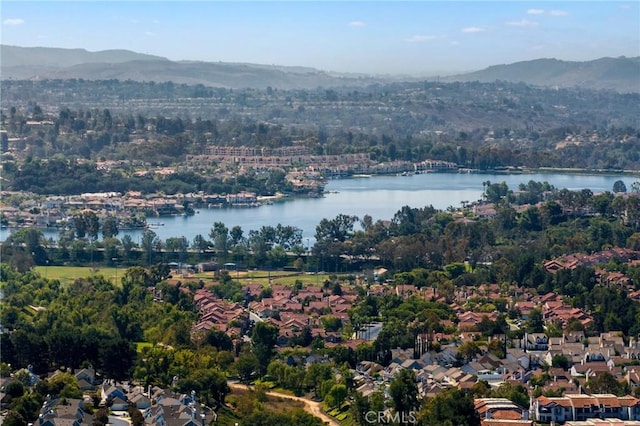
357	36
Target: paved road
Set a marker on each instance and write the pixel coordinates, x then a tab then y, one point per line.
310	406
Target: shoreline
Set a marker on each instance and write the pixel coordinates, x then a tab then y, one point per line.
630	176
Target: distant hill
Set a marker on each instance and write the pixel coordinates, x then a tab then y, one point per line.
25	63
39	62
14	56
620	74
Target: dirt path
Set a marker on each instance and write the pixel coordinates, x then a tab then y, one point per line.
310	406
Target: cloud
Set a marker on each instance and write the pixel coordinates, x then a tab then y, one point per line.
523	23
553	12
358	24
155	21
421	38
474	30
149	34
13	21
557	12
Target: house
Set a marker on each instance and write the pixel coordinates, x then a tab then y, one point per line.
369	368
55	413
412	364
141	401
500	409
86	378
580	407
549	410
519	356
119	404
110	390
536	341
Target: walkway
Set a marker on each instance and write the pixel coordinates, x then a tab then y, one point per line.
310	406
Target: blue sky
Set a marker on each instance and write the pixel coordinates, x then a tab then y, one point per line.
416	37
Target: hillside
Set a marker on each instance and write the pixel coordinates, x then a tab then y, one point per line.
25	63
619	74
15	57
38	62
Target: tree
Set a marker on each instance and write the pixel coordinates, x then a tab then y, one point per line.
110	227
449	407
336	395
127	245
468	350
86	223
31	239
518	394
218	339
331	323
497	347
13	418
200	243
530	219
604	382
404	392
331	234
264	339
236	235
148	243
560	361
219	234
210	384
116	358
496	191
15	389
316	374
619	186
101	416
360	406
246	366
65	385
446	289
534	323
135	416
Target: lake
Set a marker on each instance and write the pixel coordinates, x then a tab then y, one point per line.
378	196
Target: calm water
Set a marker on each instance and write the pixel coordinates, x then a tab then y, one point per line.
380	197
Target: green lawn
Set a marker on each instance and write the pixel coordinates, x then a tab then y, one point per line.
67	274
280	277
141	345
262	277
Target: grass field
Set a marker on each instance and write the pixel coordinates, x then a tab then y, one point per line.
68	274
277	277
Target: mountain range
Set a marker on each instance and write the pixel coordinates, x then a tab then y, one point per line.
620	74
